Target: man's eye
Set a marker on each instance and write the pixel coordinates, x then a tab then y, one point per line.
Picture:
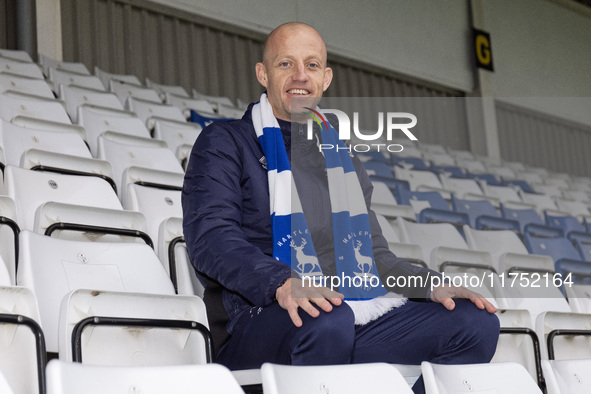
284	64
313	65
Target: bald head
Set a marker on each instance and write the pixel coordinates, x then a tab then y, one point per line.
281	32
294	67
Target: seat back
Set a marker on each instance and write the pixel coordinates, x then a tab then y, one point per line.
345	379
16	140
22	363
567	376
74	378
97	120
63	77
71	265
15	66
102	328
147	110
125	90
506	378
30	189
19	83
74	96
21	104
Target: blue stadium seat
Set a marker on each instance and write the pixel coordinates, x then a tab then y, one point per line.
415	163
434	208
379	168
454	171
488	178
530	222
483	215
567	223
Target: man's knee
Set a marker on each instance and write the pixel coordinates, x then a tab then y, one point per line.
479	326
326	339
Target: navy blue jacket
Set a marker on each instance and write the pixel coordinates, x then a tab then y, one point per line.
227	223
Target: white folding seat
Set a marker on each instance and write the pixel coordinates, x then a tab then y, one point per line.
565	346
19	83
504	194
172	251
97	120
518	341
26	69
472	165
62	77
541	202
5	387
346	379
230	112
148	110
75	96
125	90
21	341
445	250
162	90
186	104
75	378
384	203
156	205
30	189
106	77
501	171
179	136
506	378
561	181
489	161
515	166
464	188
578	195
16	54
46	62
409	150
72	265
549	190
407	251
421	180
216	101
461	154
567	376
16	140
530	176
9	230
124	151
440	159
96	327
574	207
21	104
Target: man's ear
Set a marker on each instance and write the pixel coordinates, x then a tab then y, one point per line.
327	78
261	72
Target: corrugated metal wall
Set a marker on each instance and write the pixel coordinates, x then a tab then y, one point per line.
172	47
8	24
543	141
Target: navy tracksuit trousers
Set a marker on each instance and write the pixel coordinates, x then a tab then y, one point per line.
415	332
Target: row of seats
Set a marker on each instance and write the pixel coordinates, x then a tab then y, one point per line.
507	378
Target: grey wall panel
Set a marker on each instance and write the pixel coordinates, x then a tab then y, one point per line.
172	47
540	140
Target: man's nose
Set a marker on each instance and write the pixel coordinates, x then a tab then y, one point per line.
300	73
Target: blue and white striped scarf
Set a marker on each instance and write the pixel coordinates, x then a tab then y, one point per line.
292	243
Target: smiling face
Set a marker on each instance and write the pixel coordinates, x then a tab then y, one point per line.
294	66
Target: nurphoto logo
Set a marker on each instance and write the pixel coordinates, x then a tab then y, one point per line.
396	122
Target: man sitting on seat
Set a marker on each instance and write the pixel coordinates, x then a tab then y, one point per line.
244	229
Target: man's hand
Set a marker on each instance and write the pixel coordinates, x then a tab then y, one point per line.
445	294
293	295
